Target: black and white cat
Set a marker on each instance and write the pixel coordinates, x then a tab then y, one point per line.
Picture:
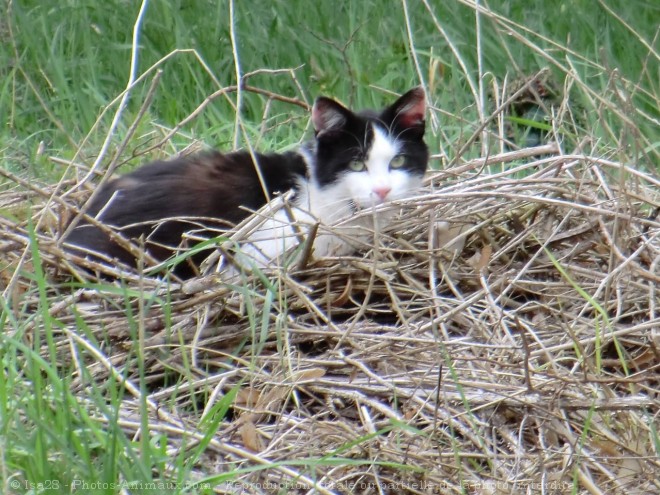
357	161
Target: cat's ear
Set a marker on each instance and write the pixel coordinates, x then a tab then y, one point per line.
409	110
328	115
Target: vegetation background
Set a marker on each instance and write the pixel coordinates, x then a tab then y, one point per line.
64	69
61	65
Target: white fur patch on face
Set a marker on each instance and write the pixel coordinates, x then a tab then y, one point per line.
379	183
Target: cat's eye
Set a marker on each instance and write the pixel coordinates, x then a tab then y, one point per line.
398	161
357	165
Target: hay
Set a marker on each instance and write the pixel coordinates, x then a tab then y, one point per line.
525	361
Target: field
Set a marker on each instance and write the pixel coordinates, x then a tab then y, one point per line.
522	358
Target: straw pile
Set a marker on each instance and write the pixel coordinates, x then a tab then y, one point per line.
522	359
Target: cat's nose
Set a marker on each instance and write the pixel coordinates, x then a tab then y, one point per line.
382	191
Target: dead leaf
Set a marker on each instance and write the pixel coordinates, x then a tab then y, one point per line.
345	295
481	259
309	375
250	438
247	397
448	236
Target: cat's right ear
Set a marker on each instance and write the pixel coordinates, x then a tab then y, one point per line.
408	111
328	116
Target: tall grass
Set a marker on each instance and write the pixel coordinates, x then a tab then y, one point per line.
63	64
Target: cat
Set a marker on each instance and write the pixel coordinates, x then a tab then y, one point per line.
356	161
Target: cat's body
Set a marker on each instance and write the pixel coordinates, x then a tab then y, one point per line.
355	162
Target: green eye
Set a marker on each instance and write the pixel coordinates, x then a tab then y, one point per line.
398	161
356	166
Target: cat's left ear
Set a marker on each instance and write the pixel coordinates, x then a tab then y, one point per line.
410	109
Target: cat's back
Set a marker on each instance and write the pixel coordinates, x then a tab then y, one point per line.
160	201
209	184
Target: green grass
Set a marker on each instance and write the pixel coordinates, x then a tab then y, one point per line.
63	65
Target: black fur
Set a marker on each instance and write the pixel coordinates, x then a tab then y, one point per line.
219	188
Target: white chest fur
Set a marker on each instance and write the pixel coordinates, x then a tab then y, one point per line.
337	235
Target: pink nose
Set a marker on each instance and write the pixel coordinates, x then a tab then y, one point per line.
382	191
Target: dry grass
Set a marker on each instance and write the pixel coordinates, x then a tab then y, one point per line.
526	362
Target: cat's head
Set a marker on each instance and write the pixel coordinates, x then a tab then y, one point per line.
370	157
